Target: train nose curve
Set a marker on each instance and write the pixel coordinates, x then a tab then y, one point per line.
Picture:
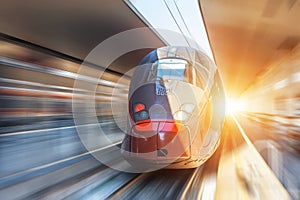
160	141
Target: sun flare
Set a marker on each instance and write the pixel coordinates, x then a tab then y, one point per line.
234	106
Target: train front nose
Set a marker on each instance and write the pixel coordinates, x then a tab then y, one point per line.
158	141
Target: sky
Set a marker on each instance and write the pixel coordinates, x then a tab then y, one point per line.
160	15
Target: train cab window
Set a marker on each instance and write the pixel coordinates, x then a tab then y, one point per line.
171	69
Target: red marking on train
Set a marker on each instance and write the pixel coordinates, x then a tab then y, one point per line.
139	107
157	125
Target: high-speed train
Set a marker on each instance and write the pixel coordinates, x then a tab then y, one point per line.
176	109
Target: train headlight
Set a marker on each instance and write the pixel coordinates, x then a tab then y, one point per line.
142	115
184	113
181	116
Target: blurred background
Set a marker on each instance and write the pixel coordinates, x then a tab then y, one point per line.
42	46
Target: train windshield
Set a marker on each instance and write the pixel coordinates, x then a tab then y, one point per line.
170	69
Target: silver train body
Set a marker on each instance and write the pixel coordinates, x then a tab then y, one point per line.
176	110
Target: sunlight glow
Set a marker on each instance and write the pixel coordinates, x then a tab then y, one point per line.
234	106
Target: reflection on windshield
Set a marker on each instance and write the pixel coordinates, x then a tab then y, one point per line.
169	69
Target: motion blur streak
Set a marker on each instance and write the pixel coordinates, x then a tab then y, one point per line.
270	116
269	112
250	176
41	155
236	171
40	151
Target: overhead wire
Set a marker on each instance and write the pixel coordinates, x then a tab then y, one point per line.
170	11
188	31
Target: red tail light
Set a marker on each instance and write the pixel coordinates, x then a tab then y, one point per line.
138	107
